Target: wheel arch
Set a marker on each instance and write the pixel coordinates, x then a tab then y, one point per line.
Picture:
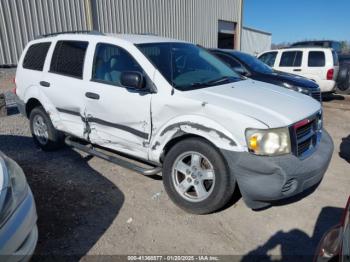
186	127
31	104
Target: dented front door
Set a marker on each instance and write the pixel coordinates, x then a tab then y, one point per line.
116	117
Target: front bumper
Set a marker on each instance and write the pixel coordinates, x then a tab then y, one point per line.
19	235
263	180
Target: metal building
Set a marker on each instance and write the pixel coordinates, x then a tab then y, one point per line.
210	23
255	41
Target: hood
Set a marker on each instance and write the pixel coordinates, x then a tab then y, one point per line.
294	80
275	106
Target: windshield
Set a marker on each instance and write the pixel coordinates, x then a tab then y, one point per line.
253	63
187	66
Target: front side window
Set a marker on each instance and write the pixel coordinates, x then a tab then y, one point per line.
68	58
230	61
254	64
187	66
268	58
110	62
291	59
35	56
316	59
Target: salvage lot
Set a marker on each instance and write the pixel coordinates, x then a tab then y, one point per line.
89	206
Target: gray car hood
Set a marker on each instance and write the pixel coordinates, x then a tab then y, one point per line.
273	105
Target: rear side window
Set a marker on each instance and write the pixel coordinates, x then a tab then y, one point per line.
316	59
335	58
35	56
291	59
268	58
68	58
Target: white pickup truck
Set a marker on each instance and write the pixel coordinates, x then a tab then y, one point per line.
177	109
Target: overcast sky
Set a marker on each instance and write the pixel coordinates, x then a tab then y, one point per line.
293	20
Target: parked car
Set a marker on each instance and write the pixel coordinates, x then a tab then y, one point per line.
335	244
318	64
177	108
253	68
335	45
18	229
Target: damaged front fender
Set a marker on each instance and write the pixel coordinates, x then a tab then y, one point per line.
194	125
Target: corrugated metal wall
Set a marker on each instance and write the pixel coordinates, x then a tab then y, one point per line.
191	20
23	20
254	41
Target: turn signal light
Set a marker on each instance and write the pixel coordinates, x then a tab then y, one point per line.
253	143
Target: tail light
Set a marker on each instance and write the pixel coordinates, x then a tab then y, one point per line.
330	74
14	90
331	244
346	216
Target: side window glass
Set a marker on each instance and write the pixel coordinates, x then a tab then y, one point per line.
291	59
269	58
35	56
110	62
298	59
231	62
316	59
68	58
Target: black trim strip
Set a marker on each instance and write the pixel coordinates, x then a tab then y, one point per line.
105	123
118	126
66	111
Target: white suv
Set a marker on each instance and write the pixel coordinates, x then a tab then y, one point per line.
176	109
318	64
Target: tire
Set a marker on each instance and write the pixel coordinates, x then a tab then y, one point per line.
211	175
43	132
343	81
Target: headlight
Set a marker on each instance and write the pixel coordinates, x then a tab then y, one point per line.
297	88
268	142
18	181
16	187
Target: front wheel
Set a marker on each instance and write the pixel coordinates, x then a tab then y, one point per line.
196	177
43	132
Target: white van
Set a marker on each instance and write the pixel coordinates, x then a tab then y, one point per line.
177	109
318	64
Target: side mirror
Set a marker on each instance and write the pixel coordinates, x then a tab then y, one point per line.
132	80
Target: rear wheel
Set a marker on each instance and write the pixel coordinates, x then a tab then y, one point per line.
43	132
196	177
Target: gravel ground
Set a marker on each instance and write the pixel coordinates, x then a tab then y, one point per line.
87	206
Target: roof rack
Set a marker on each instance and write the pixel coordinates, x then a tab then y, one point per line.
93	32
305	46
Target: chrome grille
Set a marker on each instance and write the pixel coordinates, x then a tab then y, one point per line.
307	135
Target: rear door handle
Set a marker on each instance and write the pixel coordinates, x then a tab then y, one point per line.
44	83
92	96
297	70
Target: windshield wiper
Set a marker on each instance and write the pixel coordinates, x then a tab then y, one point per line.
223	80
218	81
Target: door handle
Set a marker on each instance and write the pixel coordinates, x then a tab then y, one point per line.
297	70
44	83
92	96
